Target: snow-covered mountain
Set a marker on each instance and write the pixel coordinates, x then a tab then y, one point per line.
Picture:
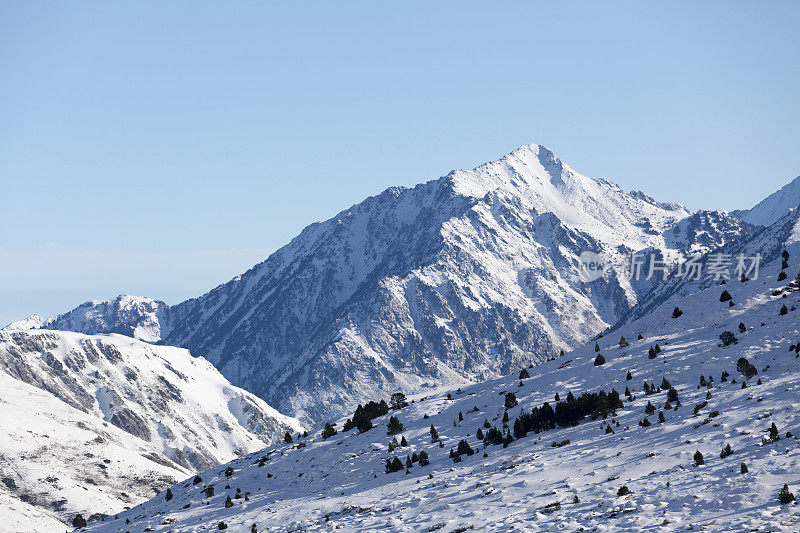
705	438
134	316
118	416
459	279
773	206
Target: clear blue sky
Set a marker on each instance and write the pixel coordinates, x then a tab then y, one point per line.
161	148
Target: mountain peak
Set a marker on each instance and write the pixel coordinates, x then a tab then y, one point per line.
773	207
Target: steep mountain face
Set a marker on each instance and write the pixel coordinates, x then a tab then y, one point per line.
773	207
134	316
112	417
455	280
691	446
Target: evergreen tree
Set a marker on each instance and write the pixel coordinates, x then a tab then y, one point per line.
398	401
773	433
479	434
464	448
557	398
640	337
329	431
505	416
423	458
726	451
229	471
650	408
364	424
287	438
676	312
460	417
785	496
511	400
781	275
651	353
743	468
784	310
698	458
725	296
434	434
661	417
596	347
623	491
168	495
628	376
394	427
196	480
409	463
403	442
523	374
599	360
742	327
79	521
222	525
228	502
622	342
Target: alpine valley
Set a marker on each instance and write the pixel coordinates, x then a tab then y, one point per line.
467	294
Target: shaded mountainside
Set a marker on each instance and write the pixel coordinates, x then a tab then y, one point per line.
704	437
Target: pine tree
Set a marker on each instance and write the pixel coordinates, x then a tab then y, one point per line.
505	416
287	438
599	360
651	353
622	342
168	495
726	451
596	347
222	525
523	374
676	313
698	458
397	401
511	400
623	491
743	468
640	337
784	310
196	480
725	296
409	463
434	434
228	502
742	327
329	431
479	434
79	521
785	496
661	417
423	458
650	408
403	442
229	471
394	427
629	376
781	275
773	433
460	417
557	398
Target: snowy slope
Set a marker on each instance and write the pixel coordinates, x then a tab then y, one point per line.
59	461
73	404
134	316
456	280
772	207
340	483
